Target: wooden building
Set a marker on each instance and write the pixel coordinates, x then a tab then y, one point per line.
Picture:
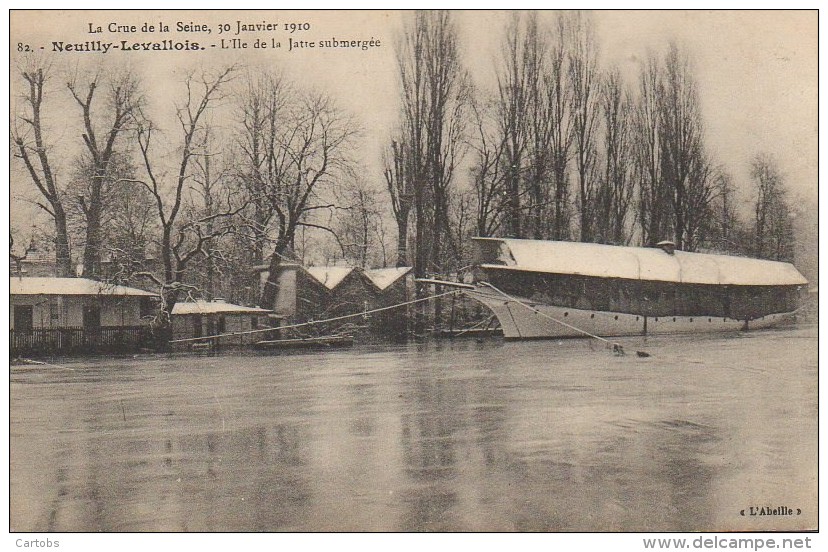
612	290
390	286
203	319
77	315
306	294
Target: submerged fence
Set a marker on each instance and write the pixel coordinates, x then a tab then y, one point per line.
115	339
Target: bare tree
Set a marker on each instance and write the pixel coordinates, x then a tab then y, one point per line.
558	113
653	202
516	81
115	106
698	217
584	81
210	193
683	164
30	145
674	171
449	91
773	226
130	230
262	113
401	191
357	224
294	149
435	93
488	173
127	220
728	227
718	226
183	241
614	197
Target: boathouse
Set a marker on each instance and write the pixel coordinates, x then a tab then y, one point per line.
655	282
306	294
76	316
204	319
390	286
612	290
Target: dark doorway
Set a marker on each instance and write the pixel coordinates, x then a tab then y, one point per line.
91	316
23	317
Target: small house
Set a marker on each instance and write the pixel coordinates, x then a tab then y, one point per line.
77	315
202	319
35	262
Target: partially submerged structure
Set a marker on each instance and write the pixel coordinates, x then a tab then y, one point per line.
77	315
206	319
558	289
313	294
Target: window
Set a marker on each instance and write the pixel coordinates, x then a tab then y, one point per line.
222	324
23	317
197	325
254	322
54	310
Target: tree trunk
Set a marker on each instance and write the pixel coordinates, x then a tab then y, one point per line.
63	259
271	286
402	241
92	251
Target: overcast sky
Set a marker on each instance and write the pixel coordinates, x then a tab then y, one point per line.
756	70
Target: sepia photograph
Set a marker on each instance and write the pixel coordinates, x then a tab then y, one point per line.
405	271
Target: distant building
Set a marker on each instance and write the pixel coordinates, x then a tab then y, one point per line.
77	315
35	263
201	318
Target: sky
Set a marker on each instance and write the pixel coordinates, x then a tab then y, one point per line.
756	70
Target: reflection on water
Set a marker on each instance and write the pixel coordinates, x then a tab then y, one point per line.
462	436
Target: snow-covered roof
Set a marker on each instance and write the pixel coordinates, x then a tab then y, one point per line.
214	307
384	277
70	286
608	261
330	276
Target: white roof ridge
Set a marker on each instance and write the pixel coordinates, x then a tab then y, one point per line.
325	274
382	278
47	285
638	263
203	306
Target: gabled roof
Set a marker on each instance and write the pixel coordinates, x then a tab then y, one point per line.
70	286
636	263
384	277
214	307
330	276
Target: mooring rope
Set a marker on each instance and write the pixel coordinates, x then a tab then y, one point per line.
616	347
470	328
314	322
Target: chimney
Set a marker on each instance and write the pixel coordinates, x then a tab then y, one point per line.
667	246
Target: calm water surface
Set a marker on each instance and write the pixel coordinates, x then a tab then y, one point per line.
455	436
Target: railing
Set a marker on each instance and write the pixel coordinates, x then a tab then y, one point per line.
45	341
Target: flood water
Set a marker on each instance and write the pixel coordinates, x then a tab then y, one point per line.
451	436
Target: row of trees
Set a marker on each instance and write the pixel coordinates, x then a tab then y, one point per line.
248	169
561	148
195	204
